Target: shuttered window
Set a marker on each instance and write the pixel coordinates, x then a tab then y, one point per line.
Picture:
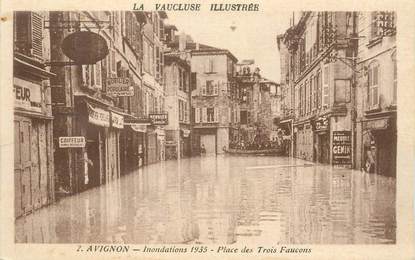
373	85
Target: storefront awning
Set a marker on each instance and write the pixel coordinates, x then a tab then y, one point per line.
142	128
98	116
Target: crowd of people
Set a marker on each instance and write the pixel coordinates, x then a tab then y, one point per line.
256	145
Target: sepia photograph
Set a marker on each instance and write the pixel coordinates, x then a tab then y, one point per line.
237	129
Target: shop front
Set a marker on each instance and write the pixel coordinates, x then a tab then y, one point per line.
33	146
321	140
379	145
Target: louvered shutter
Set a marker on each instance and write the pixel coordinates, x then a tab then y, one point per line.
203	90
204	114
216	114
326	85
98	75
216	89
85	75
36	34
197	115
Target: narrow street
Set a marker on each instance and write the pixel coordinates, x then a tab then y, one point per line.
223	200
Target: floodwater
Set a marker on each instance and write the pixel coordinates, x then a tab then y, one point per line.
224	200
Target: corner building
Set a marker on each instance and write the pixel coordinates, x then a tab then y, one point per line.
320	79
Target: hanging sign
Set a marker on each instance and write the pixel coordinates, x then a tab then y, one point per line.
98	116
342	148
119	87
85	47
27	95
71	142
117	121
321	124
159	119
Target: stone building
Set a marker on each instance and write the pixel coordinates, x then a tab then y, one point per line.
34	180
85	106
376	93
213	95
321	47
178	104
153	83
258	105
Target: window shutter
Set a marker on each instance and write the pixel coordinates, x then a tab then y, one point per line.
216	114
203	90
216	89
325	94
36	35
229	115
204	114
98	75
206	65
85	75
113	62
211	65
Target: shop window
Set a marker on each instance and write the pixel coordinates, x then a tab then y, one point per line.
243	117
373	85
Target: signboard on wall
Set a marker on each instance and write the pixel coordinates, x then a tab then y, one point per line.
119	87
98	116
71	142
27	95
321	124
159	119
117	121
342	148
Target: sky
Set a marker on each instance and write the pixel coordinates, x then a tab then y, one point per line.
254	37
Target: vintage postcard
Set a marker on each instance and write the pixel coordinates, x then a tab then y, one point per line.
207	129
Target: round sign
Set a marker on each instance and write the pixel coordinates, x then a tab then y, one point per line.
85	47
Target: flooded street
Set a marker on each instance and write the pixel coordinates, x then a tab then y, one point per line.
224	200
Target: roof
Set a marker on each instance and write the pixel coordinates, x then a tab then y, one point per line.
198	48
170	26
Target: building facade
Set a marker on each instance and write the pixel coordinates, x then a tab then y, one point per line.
84	103
376	93
178	104
34	180
319	77
214	97
259	106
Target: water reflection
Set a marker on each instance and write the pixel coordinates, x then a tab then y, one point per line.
224	199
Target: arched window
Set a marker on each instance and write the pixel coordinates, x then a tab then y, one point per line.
395	78
373	85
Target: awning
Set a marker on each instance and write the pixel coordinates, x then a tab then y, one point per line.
142	128
98	116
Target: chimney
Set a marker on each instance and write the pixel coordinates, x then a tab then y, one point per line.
182	41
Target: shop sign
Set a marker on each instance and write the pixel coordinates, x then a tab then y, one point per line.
342	148
71	142
117	121
138	127
159	119
321	124
378	124
98	116
119	87
27	95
